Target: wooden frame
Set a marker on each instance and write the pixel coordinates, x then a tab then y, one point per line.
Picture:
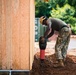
32	30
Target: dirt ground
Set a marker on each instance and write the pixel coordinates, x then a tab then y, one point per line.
47	67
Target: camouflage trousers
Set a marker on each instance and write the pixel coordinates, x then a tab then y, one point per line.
62	43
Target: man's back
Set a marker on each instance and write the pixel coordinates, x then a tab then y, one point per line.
57	24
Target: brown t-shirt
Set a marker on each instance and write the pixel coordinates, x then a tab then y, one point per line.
55	25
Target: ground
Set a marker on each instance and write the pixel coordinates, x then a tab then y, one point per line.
47	67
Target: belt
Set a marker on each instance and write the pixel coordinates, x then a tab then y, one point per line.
67	27
64	26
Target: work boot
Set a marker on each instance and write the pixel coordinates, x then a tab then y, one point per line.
59	64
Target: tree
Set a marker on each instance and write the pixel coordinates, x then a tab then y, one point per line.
63	9
42	8
66	13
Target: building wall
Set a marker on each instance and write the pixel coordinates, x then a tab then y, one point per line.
16	21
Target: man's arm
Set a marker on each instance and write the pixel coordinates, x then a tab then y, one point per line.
48	29
46	32
52	32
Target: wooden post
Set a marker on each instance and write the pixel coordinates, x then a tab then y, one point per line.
32	30
0	34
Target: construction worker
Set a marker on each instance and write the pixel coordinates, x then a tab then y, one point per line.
63	38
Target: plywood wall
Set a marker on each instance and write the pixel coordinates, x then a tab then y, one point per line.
15	34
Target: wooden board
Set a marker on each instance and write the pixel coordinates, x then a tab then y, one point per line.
16	34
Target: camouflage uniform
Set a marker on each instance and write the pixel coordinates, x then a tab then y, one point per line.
62	43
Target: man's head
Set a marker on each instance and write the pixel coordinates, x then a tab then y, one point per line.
43	20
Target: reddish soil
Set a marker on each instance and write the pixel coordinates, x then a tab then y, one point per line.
47	67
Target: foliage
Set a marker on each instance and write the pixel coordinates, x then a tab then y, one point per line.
42	8
63	12
63	9
66	14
